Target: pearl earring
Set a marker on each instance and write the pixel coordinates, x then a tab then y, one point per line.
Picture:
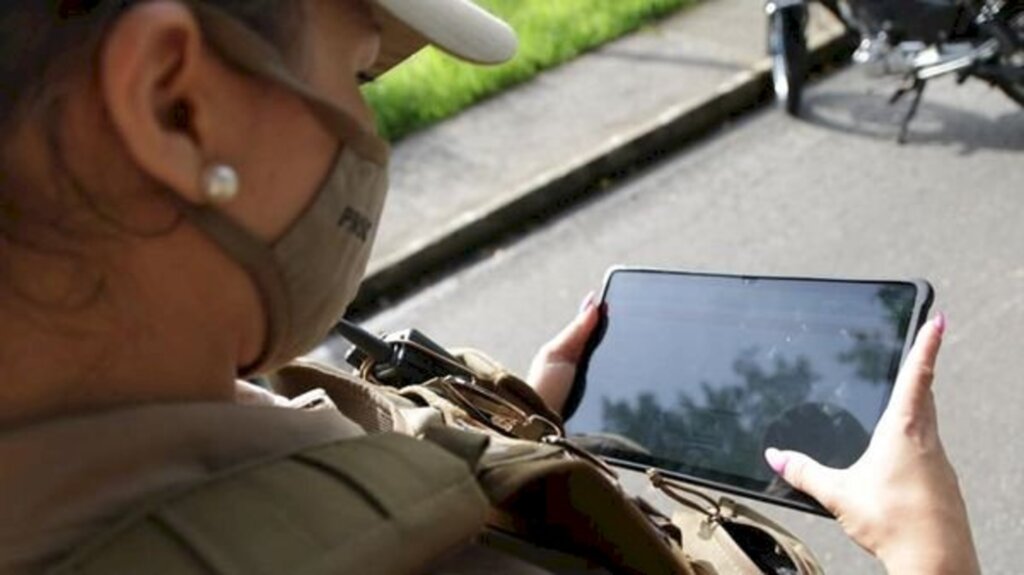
220	183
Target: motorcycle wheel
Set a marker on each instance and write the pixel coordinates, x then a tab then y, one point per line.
1015	90
788	49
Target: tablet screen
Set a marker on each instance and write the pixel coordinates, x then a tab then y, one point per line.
698	374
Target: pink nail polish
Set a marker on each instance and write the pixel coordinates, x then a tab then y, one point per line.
776	459
587	302
940	323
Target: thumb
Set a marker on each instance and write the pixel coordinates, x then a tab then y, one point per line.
806	474
567	346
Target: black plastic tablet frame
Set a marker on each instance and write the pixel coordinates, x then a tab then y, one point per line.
924	297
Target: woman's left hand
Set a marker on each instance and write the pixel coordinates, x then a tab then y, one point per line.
554	367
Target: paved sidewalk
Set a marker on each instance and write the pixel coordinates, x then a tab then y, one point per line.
450	181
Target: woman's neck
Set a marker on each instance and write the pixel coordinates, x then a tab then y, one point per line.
55	365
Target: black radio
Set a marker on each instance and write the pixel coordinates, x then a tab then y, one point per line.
399	359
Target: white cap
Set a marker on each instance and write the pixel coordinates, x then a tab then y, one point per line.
459	27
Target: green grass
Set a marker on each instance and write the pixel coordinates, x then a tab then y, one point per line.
432	86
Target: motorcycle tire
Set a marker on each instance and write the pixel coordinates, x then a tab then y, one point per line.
787	46
1014	89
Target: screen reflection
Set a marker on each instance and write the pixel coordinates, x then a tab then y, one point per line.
699	374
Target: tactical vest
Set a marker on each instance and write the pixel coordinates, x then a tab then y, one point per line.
446	464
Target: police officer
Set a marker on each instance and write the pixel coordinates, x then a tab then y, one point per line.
188	194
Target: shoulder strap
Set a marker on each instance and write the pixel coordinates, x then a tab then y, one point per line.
345	507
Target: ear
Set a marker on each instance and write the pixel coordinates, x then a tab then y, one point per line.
149	74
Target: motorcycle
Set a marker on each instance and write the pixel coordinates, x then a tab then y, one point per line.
917	39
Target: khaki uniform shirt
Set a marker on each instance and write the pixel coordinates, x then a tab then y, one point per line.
65	479
62	481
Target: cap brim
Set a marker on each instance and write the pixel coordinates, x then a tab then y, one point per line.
459	27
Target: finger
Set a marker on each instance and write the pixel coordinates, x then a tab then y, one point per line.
568	345
915	378
806	474
587	301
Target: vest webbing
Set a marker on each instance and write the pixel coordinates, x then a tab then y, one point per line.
379	504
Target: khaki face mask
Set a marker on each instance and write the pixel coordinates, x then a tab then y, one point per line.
308	276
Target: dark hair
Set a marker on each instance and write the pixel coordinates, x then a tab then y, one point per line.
42	42
38	38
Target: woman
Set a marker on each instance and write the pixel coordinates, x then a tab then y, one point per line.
188	194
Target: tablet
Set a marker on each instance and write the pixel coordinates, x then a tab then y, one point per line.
697	373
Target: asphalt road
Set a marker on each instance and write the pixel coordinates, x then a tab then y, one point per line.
833	195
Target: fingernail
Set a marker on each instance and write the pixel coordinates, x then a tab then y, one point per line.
587	302
940	323
776	459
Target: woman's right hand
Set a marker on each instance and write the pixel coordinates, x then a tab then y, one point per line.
901	500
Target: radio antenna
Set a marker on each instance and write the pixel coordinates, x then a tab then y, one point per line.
378	349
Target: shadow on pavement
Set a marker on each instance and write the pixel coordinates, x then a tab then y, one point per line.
651	57
871	116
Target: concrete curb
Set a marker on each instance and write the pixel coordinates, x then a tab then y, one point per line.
556	190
